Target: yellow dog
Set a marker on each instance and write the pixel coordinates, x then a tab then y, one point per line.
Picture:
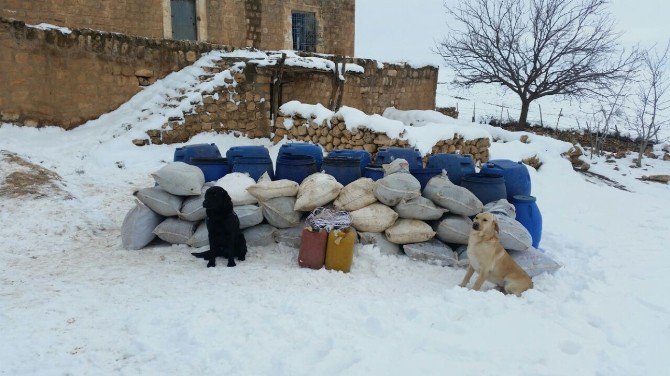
490	260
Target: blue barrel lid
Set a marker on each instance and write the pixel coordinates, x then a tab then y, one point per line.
523	198
209	160
484	177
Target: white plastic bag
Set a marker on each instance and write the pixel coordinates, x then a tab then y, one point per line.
513	236
175	231
291	237
138	227
180	179
356	195
379	240
160	201
450	196
534	262
406	231
267	189
317	190
192	209
392	189
200	237
236	185
454	229
260	236
501	206
419	208
279	212
249	215
433	251
373	218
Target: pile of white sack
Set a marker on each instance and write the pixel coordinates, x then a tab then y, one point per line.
392	213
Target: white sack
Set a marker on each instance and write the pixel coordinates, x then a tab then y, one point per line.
380	241
419	208
501	206
260	236
200	238
513	236
373	218
534	262
236	185
175	231
317	190
138	226
392	189
450	196
434	252
160	201
454	229
267	189
249	215
406	231
279	212
356	195
180	179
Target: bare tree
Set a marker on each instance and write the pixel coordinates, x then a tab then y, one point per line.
650	100
535	48
608	110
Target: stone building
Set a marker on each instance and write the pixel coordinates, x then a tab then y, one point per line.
322	26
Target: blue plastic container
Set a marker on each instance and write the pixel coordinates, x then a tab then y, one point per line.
374	172
304	148
517	179
246	151
456	165
254	166
487	187
388	155
423	175
188	152
362	155
344	170
214	168
295	167
529	215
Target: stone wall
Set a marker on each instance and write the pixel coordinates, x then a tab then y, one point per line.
49	77
397	86
134	17
263	24
336	136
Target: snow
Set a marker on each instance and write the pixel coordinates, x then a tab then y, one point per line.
46	26
317	112
73	300
309	62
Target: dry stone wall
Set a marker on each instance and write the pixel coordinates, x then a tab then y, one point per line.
334	134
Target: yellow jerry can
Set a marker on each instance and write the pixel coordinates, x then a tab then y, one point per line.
340	249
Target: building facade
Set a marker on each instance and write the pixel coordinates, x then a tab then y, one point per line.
322	26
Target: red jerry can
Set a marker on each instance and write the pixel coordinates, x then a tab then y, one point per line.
312	249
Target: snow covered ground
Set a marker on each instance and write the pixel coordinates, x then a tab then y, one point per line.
72	301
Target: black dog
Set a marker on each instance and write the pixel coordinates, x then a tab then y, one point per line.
225	237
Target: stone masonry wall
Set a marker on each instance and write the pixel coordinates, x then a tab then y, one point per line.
337	136
262	24
134	17
49	77
397	86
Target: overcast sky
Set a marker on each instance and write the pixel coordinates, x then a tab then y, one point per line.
408	29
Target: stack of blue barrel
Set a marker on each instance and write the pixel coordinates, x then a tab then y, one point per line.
298	160
253	160
346	166
205	156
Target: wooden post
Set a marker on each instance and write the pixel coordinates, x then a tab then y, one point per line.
341	79
275	88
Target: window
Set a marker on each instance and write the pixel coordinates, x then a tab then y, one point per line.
304	31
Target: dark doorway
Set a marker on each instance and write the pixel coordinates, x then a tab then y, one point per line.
304	31
184	25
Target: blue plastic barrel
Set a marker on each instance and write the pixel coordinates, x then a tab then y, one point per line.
363	155
487	187
517	179
304	148
214	168
388	155
295	167
423	175
529	215
344	170
456	165
246	151
374	172
187	152
254	166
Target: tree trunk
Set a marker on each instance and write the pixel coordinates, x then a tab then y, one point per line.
525	105
643	147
